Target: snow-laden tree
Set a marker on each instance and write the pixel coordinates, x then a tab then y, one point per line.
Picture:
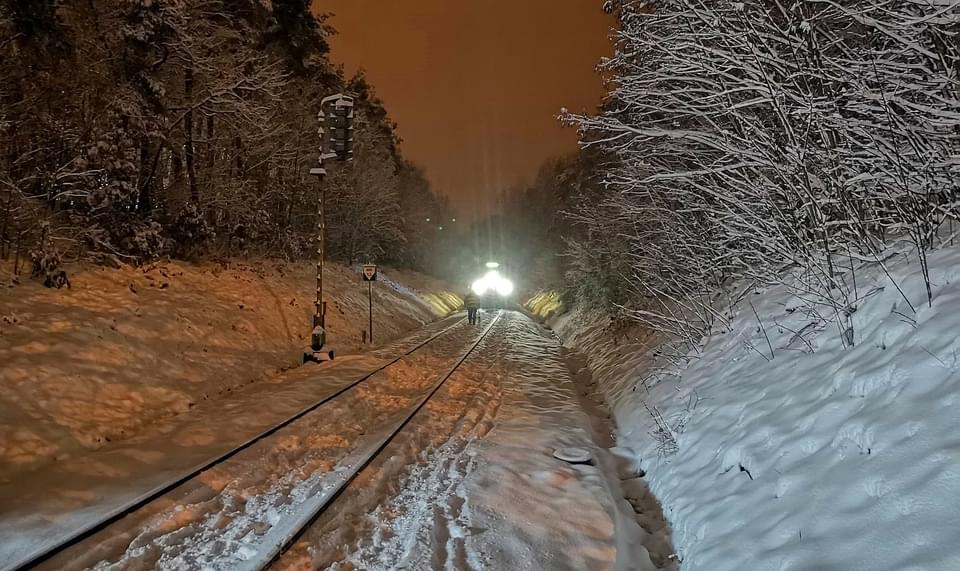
133	128
364	216
750	136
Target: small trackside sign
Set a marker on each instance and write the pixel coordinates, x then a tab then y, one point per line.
369	273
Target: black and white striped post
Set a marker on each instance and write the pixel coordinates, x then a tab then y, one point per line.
336	142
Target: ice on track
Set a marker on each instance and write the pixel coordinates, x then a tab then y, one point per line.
824	458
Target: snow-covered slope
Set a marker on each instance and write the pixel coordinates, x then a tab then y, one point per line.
819	458
126	347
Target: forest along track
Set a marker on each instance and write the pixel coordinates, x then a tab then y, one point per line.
243	508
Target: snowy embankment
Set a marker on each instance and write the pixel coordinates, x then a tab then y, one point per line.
819	457
126	347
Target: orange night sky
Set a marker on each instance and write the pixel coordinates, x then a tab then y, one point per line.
475	85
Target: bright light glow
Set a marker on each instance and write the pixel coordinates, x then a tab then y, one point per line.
479	287
492	282
493	265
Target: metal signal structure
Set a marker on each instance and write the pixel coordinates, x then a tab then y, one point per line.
338	112
336	142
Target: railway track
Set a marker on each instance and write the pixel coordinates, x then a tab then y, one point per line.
56	553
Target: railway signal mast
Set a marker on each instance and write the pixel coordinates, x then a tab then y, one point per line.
336	142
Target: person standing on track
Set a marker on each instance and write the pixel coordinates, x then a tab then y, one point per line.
472	302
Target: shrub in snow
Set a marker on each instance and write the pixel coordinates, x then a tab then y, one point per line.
190	232
143	240
109	163
47	265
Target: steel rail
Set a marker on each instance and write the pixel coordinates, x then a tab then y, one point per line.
78	535
324	501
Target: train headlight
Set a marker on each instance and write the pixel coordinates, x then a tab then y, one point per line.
479	287
492	282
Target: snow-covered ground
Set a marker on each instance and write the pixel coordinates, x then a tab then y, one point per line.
411	497
820	457
40	509
473	483
124	348
538	512
470	483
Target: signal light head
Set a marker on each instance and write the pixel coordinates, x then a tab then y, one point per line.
337	116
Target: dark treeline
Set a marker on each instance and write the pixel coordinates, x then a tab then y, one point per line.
131	129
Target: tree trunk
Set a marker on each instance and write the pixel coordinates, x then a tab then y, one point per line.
211	150
4	247
238	145
16	259
146	176
188	149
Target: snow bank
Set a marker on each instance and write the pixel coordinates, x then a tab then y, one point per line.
126	347
821	458
537	511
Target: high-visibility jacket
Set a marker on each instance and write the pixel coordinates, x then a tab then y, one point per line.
471	301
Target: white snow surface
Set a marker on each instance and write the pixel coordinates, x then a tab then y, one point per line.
822	458
126	348
41	509
472	482
503	501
